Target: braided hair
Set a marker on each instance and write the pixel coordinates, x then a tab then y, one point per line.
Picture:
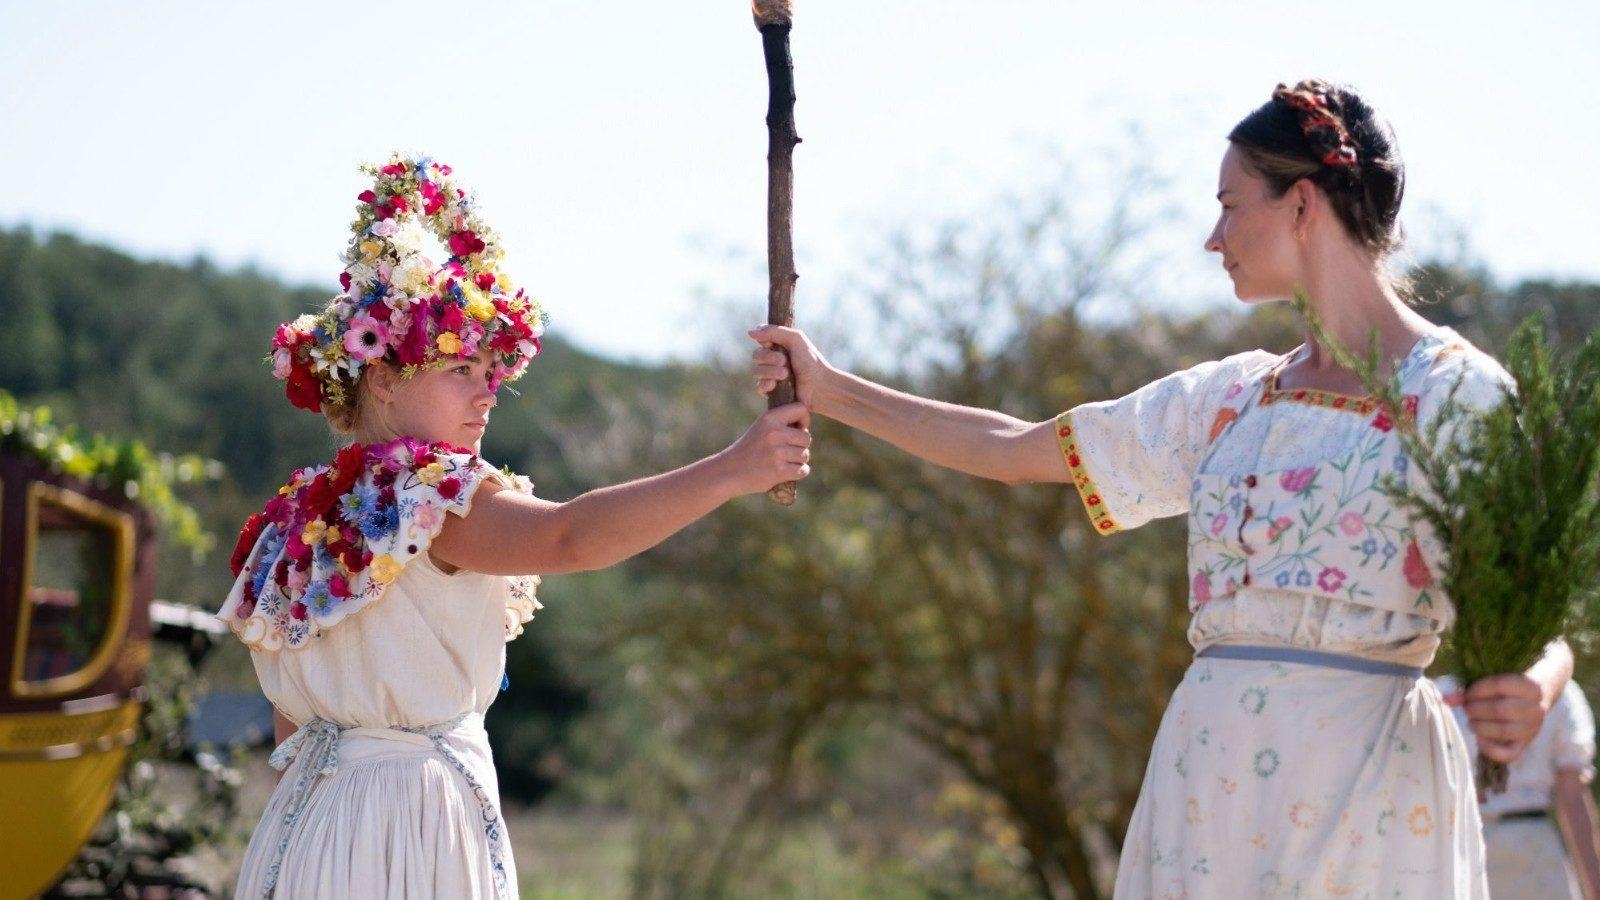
1329	135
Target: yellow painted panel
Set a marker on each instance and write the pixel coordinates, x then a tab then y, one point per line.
50	806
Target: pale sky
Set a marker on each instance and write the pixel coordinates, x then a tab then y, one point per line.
619	148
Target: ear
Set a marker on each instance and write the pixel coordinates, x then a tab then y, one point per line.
1306	199
382	380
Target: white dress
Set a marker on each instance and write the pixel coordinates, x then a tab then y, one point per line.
1525	856
389	788
1284	778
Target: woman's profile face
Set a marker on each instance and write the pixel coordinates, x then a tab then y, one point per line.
449	404
1254	233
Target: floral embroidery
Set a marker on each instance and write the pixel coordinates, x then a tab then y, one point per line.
1225	417
1420	821
1093	503
1416	569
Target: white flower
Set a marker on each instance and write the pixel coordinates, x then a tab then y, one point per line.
281	362
408	239
331	357
385	228
412	274
362	274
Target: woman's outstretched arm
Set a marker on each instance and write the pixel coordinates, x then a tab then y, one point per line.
508	533
976	441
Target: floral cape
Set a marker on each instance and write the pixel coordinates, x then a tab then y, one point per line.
337	536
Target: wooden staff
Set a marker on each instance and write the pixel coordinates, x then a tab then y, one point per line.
774	18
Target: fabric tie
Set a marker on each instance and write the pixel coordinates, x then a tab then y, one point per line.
316	745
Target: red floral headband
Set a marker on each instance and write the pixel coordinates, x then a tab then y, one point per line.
1322	127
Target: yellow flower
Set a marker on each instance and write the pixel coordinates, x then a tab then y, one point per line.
449	342
316	529
370	250
384	569
504	281
431	474
478	305
333	535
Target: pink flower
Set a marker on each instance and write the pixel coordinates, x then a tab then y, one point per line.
465	243
1351	523
425	516
471	334
413	349
1330	579
1233	390
367	338
450	487
432	197
338	586
282	362
394	169
1200	588
1218	523
1298	480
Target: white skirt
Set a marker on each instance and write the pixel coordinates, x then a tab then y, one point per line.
1528	861
396	818
1272	779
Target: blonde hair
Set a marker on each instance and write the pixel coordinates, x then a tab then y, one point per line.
344	416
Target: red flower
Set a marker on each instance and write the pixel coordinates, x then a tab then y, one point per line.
367	197
450	488
356	559
450	318
504	341
344	281
465	243
399	203
303	388
247	542
413	349
347	467
1409	404
393	169
484	281
383	211
298	610
247	603
380	311
1382	422
1415	568
320	497
1075	460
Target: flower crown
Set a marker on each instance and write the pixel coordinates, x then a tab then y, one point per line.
397	305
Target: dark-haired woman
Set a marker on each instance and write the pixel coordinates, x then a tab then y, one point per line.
1303	754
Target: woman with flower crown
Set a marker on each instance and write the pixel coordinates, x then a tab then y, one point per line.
376	593
1303	754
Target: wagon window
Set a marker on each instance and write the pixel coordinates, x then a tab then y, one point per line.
77	563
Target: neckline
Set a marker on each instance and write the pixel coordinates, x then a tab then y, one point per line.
1319	397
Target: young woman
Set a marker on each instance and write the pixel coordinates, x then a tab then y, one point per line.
376	593
1303	754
